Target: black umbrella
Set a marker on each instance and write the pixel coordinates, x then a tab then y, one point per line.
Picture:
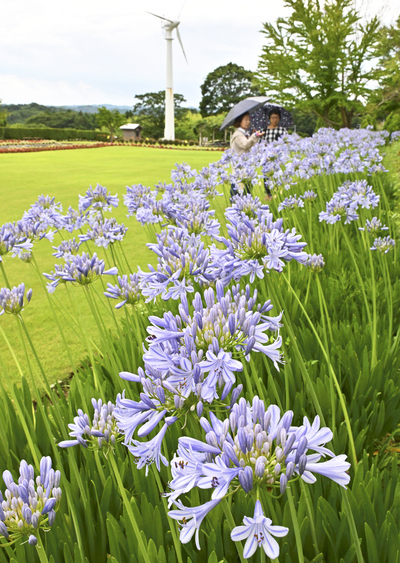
249	105
260	121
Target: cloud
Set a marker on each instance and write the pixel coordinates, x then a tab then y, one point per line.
92	51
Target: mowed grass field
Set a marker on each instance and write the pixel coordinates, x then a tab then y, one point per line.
65	175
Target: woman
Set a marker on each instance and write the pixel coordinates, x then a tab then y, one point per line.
274	131
241	143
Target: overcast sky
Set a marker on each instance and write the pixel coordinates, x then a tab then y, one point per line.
98	52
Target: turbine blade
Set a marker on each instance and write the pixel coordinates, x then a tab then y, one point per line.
161	17
180	41
183	5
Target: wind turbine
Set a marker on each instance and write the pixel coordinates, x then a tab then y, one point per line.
169	26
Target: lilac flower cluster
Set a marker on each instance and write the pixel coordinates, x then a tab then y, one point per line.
44	211
98	198
256	245
142	202
81	270
374	226
27	506
104	232
348	198
291	202
67	248
103	433
315	262
383	244
13	301
190	356
309	195
128	290
182	261
245	206
256	450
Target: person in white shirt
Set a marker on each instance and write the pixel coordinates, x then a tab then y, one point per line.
241	142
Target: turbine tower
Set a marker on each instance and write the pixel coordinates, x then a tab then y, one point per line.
169	26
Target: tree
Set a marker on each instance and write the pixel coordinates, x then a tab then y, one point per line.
64	119
386	98
150	111
3	118
111	120
317	59
224	87
186	126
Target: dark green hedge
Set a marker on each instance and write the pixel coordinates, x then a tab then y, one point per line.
48	133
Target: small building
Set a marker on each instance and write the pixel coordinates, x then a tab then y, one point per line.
131	131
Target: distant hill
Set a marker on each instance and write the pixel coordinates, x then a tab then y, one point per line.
93	109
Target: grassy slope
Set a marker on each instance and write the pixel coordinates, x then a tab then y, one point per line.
65	174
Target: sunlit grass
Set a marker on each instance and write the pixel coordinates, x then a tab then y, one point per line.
65	175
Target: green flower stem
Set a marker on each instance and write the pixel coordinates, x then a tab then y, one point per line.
303	367
229	517
41	551
296	527
22	418
57	320
374	313
120	247
333	375
3	271
142	547
360	280
172	523
306	495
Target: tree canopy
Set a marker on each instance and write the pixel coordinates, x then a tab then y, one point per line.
317	59
224	87
111	120
150	112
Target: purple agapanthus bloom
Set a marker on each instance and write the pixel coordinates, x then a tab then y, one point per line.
255	448
29	504
81	270
128	290
291	202
383	244
374	226
98	198
261	240
104	232
258	532
315	262
67	248
102	433
13	301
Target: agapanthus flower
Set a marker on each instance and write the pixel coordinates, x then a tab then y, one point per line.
104	232
309	195
13	301
34	230
383	244
80	270
395	135
254	449
182	261
101	434
374	226
246	205
192	212
346	201
28	506
183	172
73	220
44	211
98	198
258	532
262	240
128	290
291	202
315	262
67	248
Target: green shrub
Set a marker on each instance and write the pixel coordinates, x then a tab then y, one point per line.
392	122
54	134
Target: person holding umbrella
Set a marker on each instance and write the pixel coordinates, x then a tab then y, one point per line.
240	141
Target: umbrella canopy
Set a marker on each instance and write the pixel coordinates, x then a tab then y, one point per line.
260	121
249	105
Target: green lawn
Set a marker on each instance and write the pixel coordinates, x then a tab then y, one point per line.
65	175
